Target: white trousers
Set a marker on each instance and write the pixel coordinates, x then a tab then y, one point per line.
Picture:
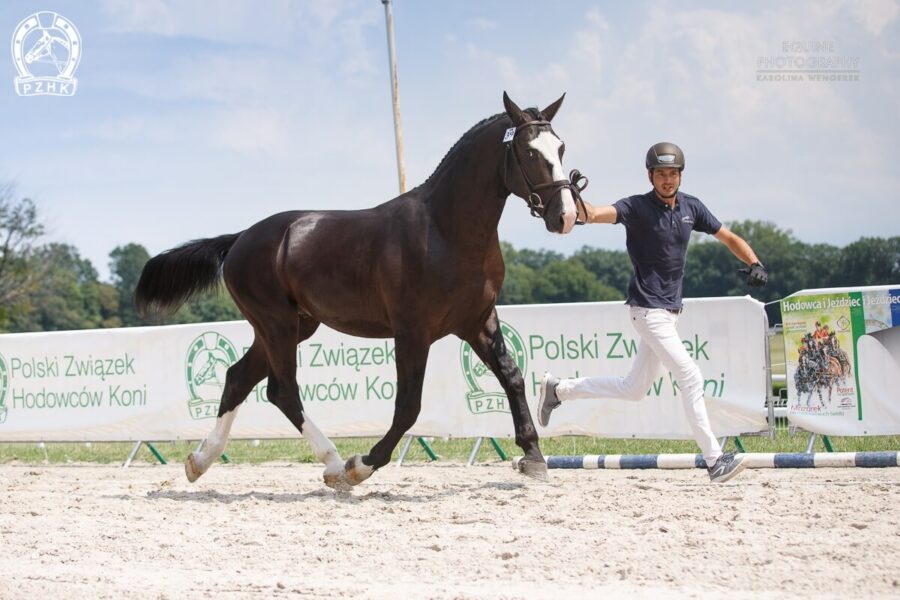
660	344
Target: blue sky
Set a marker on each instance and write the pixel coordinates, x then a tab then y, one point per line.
194	119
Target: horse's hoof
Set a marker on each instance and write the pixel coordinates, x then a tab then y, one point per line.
338	482
353	473
534	469
356	470
191	470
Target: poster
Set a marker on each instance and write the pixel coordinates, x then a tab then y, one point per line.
842	361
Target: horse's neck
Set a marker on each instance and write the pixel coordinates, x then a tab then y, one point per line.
466	199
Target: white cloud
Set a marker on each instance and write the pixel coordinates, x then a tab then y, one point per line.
148	16
482	24
874	15
277	23
588	49
252	131
596	19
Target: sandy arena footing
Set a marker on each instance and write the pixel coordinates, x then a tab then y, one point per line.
448	532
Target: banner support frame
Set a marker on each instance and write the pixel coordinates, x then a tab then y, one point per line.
132	454
405	449
474	452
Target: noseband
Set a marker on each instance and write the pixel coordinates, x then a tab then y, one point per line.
575	184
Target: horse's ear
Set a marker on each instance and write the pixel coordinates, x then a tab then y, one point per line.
550	111
513	111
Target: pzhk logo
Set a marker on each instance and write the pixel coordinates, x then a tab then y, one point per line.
485	392
46	48
4	387
208	359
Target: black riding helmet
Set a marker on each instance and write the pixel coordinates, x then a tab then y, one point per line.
665	154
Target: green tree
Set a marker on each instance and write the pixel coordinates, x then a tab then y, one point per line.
870	261
570	281
534	276
611	267
69	296
518	285
206	308
20	273
125	266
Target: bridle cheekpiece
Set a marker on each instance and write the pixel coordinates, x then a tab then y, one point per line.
575	184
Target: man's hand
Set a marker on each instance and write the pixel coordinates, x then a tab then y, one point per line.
757	275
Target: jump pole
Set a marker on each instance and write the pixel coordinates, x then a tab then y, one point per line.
756	460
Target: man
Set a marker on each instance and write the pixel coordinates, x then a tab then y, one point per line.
658	226
820	333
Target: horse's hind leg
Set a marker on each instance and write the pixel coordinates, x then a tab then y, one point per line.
491	349
281	348
239	380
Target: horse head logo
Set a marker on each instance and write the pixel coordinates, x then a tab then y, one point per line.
485	392
46	49
4	387
208	359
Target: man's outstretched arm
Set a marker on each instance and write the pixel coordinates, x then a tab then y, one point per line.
600	214
740	248
757	275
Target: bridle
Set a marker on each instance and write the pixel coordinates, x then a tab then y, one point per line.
575	184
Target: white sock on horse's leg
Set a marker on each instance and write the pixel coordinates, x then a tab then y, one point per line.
214	445
321	446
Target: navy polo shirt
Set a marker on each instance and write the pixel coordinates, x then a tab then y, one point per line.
657	239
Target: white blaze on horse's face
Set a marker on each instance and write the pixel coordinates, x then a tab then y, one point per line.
548	146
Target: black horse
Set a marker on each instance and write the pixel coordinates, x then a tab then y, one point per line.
416	268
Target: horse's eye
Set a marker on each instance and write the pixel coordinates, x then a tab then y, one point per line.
531	154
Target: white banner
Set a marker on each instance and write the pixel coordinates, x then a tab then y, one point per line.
842	355
164	383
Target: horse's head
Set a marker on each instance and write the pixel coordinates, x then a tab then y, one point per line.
532	168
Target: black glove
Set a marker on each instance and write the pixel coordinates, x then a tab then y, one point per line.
757	275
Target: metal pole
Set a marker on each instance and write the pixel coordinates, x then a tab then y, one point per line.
134	451
157	454
403	452
395	94
498	449
770	399
811	444
474	452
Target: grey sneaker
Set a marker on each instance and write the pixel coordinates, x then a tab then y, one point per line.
548	400
726	467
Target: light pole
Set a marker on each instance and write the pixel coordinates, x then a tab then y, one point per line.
395	94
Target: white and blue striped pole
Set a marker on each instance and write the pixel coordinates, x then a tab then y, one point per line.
786	460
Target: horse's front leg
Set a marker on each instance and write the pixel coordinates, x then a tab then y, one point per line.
491	349
412	355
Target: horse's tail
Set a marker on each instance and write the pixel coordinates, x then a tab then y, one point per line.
171	278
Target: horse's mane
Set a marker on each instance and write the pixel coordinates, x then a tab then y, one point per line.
534	113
